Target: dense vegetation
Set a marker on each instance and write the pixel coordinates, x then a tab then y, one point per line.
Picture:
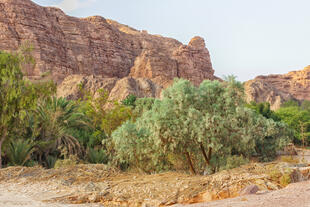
201	129
296	115
205	128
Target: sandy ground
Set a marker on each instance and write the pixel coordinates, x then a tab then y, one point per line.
15	195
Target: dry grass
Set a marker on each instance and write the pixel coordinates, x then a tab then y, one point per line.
100	183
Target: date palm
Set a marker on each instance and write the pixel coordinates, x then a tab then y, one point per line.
56	117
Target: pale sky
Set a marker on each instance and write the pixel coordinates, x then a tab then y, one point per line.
245	38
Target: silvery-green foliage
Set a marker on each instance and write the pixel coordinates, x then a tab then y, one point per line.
209	126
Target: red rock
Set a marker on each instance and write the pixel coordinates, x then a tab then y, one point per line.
277	89
65	45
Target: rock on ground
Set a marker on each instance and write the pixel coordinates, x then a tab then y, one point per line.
296	194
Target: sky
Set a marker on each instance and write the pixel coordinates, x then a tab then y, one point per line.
245	38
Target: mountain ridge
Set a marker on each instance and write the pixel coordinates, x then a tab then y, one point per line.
100	52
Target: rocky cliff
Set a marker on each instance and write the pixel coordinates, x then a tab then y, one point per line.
277	89
99	51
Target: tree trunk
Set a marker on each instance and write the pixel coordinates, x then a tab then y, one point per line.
190	163
210	153
204	154
4	131
0	154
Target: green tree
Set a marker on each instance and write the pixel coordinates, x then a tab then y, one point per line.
298	120
105	115
263	109
11	93
52	125
203	126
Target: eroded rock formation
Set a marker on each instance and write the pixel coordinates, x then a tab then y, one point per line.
277	89
118	89
99	48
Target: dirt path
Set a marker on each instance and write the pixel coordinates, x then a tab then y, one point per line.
14	195
294	195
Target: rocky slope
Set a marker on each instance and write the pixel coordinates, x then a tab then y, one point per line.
98	48
277	89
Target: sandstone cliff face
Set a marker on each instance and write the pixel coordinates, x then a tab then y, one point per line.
66	46
277	89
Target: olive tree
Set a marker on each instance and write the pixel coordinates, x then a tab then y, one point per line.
205	125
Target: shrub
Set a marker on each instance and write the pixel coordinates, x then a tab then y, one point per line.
51	161
130	100
19	152
70	161
97	156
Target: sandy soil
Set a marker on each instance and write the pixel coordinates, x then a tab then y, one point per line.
16	195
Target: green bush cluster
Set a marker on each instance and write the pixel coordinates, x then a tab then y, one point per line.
293	113
297	117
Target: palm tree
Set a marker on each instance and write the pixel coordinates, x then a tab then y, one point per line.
55	117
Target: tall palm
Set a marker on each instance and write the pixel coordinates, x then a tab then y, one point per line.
55	118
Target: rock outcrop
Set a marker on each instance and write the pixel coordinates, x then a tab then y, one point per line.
118	89
98	47
277	89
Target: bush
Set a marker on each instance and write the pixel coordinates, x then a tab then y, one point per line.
130	100
51	161
19	152
234	161
70	161
98	156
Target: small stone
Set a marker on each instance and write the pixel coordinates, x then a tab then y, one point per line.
68	182
91	187
272	186
251	189
92	198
